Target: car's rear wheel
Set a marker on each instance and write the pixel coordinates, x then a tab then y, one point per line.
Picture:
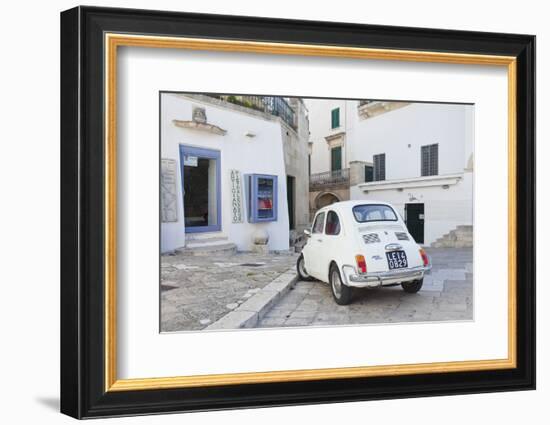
412	287
301	269
342	294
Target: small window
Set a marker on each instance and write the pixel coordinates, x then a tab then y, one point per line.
333	224
335	118
379	167
373	212
319	222
430	160
369	173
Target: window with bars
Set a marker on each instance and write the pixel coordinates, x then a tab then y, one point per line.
335	118
379	166
430	160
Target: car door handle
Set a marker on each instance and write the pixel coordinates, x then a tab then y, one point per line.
319	240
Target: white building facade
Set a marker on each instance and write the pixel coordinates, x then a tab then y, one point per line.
223	175
417	156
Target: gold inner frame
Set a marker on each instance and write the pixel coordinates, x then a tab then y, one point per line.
113	41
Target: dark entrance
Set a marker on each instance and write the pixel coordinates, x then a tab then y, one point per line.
414	217
200	169
195	199
290	183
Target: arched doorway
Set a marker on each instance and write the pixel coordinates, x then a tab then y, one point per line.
325	199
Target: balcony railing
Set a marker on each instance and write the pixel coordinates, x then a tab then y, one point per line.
271	105
329	179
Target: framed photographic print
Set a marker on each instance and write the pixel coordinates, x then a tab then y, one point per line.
261	212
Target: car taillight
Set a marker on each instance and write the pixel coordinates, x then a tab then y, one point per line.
424	256
361	263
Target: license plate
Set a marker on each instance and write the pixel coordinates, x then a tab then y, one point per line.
397	260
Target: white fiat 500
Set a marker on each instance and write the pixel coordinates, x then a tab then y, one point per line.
361	244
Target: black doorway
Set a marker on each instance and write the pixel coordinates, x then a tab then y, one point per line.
290	182
414	217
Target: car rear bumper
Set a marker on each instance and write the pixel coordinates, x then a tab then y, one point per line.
375	279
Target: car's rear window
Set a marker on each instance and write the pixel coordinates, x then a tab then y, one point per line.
373	212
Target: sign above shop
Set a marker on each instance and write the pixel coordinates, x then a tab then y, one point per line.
236	198
190	161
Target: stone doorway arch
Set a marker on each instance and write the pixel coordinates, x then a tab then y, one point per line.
326	198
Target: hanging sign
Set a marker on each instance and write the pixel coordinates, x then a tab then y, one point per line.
190	161
168	197
236	197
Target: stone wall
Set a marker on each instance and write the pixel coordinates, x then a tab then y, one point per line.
321	198
295	145
357	172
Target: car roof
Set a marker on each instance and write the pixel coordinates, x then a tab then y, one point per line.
348	205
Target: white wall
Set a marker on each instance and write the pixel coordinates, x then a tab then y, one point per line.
401	133
391	133
261	154
319	113
444	209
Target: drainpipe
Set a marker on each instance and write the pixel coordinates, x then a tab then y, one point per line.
346	150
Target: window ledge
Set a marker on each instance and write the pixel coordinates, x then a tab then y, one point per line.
195	125
426	181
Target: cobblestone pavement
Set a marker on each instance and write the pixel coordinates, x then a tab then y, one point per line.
196	291
447	294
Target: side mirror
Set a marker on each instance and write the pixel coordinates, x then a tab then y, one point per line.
307	232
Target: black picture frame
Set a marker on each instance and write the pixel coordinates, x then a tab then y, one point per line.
83	392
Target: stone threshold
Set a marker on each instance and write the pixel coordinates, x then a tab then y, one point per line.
249	313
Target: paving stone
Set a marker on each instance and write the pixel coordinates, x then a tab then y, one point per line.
447	294
262	300
206	285
451	307
278	313
302	314
280	283
185	267
298	321
235	320
308	305
203	291
273	322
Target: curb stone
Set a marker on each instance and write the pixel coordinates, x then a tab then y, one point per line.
250	312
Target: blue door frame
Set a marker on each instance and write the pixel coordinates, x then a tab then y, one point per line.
209	154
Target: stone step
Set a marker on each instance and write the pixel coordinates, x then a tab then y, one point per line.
212	241
461	237
462	233
220	248
450	244
452	238
204	236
